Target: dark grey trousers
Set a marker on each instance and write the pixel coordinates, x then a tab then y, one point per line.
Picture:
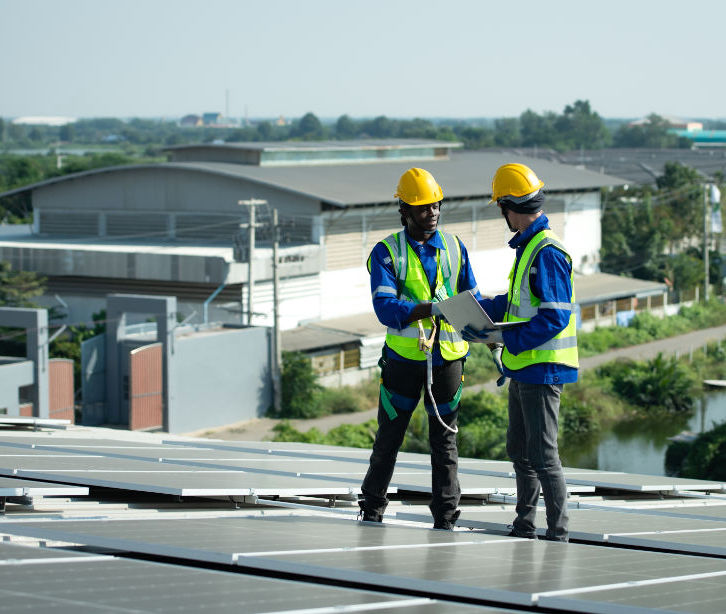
532	447
408	380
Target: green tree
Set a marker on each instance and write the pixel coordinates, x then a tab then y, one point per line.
264	131
632	243
66	133
308	127
537	130
300	388
18	288
507	132
345	128
380	127
580	126
680	195
654	133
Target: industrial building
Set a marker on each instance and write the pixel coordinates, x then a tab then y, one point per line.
177	228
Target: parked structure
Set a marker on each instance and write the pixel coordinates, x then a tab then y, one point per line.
34	385
170	376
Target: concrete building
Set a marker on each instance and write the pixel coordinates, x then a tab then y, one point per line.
176	229
34	385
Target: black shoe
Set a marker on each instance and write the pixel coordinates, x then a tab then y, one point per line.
444	524
513	533
554	539
367	516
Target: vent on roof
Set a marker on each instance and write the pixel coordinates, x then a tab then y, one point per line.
215	227
69	224
134	225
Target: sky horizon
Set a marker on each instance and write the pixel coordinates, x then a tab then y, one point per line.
401	59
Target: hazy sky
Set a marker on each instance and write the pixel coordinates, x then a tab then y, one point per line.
400	58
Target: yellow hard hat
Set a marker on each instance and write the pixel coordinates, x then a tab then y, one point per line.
418	187
515	182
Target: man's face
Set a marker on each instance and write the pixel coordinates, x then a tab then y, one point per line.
423	219
505	214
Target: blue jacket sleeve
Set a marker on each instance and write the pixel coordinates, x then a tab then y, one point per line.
390	311
551	284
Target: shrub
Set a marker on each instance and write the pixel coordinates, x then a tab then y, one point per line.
339	400
479	367
645	327
351	435
675	455
659	384
706	457
483	420
577	418
300	388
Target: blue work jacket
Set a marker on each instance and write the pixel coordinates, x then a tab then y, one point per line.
550	282
393	312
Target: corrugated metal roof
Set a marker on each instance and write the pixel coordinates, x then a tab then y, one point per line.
595	288
464	175
362	144
601	287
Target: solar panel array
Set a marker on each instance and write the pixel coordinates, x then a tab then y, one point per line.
36	579
670	554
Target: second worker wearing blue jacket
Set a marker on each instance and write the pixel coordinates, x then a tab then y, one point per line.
540	355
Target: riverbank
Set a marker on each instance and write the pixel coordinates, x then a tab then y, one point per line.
261	429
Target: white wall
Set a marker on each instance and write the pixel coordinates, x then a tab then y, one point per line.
345	292
582	235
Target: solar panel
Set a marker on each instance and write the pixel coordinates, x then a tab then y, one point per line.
439	564
705	595
588	524
36	422
173	479
407	476
16	554
697	540
13	487
67	582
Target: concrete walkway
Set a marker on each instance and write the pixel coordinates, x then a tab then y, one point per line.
261	428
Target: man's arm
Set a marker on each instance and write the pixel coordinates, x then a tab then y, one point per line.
390	310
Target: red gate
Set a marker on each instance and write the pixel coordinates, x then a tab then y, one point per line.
146	402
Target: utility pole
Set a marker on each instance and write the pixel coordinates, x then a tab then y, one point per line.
250	268
250	204
705	241
277	375
276	340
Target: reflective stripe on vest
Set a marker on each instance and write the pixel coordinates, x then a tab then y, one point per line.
413	286
522	305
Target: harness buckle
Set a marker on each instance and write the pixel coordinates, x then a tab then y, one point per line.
424	344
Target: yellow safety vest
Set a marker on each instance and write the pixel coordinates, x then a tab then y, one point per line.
522	306
413	286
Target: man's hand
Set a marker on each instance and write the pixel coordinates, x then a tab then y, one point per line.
496	350
482	336
436	312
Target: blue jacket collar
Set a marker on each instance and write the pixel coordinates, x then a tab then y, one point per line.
435	241
522	238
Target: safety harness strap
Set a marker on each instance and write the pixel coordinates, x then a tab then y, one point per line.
386	402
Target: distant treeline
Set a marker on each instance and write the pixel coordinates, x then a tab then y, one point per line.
578	126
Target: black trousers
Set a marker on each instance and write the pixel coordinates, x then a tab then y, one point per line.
408	380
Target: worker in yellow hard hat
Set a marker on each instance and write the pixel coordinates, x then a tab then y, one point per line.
411	271
540	353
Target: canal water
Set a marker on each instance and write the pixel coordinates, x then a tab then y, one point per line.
640	446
